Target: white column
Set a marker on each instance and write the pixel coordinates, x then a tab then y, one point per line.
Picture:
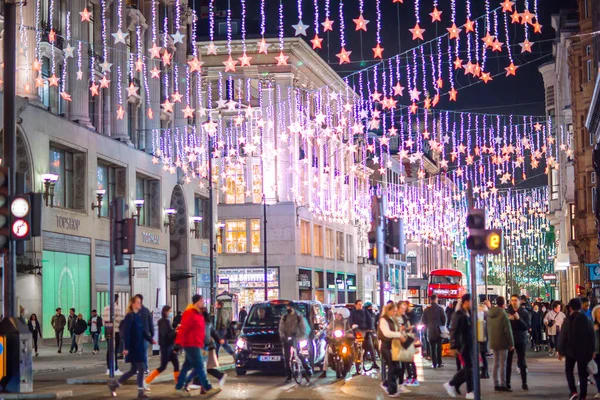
26	55
118	59
79	106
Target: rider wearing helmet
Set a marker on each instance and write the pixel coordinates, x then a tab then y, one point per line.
292	329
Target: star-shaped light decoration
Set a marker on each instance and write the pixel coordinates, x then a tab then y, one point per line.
527	17
413	108
454	31
210	127
36	65
375	96
511	69
263	46
436	15
176	97
440	83
537	126
327	25
105	66
414	94
469	26
221	103
515	18
51	36
230	64
188	112
120	112
507	6
66	96
398	89
361	23
526	46
488	39
177	37
316	42
537	27
452	94
39	82
120	36
281	59
244	60
497	46
79	75
231	105
69	51
486	77
344	56
104	82
155	73
300	28
94	89
378	51
139	64
85	15
211	49
195	64
166	58
417	32
150	113
53	80
132	90
457	63
154	51
167	106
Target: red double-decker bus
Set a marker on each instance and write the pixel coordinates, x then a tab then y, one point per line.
447	284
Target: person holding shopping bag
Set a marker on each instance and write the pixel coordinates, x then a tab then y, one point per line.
390	331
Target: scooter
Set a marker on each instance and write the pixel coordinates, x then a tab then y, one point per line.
339	353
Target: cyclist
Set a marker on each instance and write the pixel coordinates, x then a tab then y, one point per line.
292	329
361	320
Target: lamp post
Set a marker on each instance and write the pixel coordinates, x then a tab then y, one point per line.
138	210
49	182
265	239
196	229
98	205
170	222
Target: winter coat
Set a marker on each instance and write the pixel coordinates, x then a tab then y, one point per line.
58	322
520	326
242	316
79	327
37	331
362	318
118	316
177	320
148	320
214	338
499	331
71	323
292	325
223	319
434	317
166	333
191	331
133	335
388	330
449	312
536	321
577	339
558	319
461	336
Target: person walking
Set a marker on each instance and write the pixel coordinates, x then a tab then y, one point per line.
501	340
576	343
95	324
71	328
36	331
461	340
519	323
389	330
166	341
134	335
79	329
222	325
536	328
553	322
177	319
408	319
434	318
242	315
482	339
191	336
292	329
148	321
586	308
360	320
58	323
596	323
116	334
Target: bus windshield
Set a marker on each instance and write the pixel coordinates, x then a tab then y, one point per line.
447	280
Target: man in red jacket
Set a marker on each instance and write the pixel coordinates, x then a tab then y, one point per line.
190	336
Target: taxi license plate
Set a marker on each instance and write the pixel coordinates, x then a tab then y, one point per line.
269	358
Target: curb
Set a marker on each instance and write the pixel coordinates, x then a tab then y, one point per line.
58	395
103	381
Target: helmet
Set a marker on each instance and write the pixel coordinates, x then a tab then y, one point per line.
368	304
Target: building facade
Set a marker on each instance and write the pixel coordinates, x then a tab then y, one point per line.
561	180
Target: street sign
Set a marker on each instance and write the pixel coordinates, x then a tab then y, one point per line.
549	277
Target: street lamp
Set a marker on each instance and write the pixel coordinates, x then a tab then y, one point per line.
99	196
170	221
49	183
196	229
266	264
139	203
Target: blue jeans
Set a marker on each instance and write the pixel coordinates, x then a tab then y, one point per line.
193	361
222	333
74	346
96	339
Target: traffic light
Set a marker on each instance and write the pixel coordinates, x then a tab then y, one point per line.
393	236
118	230
20	217
481	240
36	213
373	255
128	236
4	210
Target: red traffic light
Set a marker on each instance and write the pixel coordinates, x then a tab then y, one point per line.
20	228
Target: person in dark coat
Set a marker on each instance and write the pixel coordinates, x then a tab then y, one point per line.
177	319
242	315
79	331
148	322
360	319
461	341
519	323
133	335
536	328
576	343
71	328
36	331
166	341
433	318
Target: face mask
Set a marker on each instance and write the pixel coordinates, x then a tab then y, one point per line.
289	310
170	315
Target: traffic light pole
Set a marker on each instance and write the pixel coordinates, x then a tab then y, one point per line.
474	308
111	289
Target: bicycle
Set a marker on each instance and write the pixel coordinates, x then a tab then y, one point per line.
299	373
365	358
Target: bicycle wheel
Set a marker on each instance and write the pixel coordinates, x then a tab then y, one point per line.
367	360
296	367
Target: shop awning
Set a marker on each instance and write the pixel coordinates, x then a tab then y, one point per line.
179	276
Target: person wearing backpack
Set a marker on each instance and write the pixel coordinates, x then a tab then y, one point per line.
553	322
291	329
166	341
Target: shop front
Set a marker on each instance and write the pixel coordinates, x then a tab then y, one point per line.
340	283
331	288
304	284
102	275
319	286
149	276
201	275
66	276
248	284
351	287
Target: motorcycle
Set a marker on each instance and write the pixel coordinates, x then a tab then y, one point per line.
339	352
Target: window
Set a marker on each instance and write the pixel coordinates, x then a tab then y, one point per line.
411	259
329	243
588	50
554	185
350	248
305	237
148	189
592	138
202	209
256	184
572	218
593	202
236	185
106	177
235	240
132	120
222	28
339	246
550	96
593	177
61	164
318	237
589	70
220	228
255	235
586	9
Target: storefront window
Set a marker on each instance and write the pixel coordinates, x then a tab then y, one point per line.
340	282
319	286
236	236
318	237
305	283
305	237
255	235
248	284
236	185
